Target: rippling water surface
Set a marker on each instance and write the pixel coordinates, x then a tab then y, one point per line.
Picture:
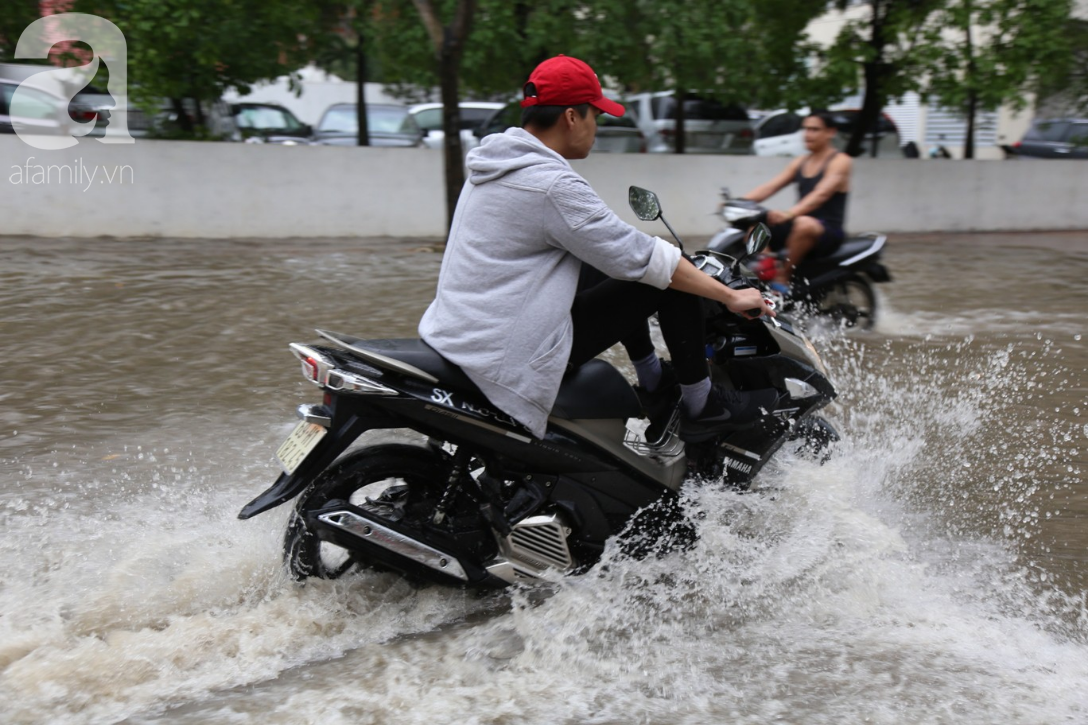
933	571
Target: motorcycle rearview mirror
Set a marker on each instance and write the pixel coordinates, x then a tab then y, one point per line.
644	203
758	239
646	206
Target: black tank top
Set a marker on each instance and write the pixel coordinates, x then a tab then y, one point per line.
833	211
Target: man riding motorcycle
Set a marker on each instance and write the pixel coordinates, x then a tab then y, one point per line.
814	225
507	310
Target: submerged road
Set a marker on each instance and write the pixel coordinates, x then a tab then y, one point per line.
933	571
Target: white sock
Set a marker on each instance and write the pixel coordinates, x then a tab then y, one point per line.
693	397
648	371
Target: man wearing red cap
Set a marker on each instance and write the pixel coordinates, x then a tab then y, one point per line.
508	310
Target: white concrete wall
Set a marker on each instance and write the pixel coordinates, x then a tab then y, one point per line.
220	190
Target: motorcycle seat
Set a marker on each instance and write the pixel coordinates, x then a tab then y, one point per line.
594	390
852	247
411	357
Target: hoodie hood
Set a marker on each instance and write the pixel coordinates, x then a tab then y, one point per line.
501	153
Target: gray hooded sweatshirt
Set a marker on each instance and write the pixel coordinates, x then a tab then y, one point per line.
524	224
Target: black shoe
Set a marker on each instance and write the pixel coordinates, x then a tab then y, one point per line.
659	405
728	410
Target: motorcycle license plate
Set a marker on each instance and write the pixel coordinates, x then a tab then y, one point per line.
303	439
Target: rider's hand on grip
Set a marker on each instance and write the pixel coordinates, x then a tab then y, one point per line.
745	298
768	303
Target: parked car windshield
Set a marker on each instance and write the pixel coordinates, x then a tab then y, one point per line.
779	125
36	105
1047	131
430	119
267	118
380	119
471	118
1078	134
701	109
627	120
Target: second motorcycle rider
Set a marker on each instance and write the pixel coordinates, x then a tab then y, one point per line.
507	310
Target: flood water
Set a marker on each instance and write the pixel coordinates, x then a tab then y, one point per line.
933	571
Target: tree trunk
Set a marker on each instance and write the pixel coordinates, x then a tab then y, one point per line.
184	122
972	94
451	123
681	144
449	46
874	71
201	121
360	93
868	118
969	141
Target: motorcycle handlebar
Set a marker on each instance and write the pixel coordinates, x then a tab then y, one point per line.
745	211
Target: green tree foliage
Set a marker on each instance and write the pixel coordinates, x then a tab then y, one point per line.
503	45
197	49
1066	86
880	52
747	52
985	53
15	16
750	52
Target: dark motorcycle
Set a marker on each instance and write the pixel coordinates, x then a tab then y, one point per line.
838	287
482	503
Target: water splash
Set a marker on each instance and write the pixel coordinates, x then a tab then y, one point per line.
922	575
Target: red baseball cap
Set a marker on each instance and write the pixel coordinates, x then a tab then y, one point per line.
566	81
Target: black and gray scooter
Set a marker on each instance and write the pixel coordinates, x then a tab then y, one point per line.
838	287
479	501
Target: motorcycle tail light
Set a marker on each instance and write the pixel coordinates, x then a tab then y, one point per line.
315	366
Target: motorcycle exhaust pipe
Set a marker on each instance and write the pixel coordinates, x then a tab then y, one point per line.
365	531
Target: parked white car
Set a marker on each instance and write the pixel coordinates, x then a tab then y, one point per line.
710	127
428	117
779	134
46	114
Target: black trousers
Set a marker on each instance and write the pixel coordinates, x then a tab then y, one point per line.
607	311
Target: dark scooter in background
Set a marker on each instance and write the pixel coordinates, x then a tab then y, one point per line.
482	503
838	287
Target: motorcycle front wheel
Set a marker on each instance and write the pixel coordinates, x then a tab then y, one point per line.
407	481
850	303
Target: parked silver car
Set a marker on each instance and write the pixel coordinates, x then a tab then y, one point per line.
388	125
710	127
473	114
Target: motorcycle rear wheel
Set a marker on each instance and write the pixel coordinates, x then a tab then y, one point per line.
850	303
371	473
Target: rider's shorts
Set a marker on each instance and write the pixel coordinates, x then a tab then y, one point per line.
828	243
